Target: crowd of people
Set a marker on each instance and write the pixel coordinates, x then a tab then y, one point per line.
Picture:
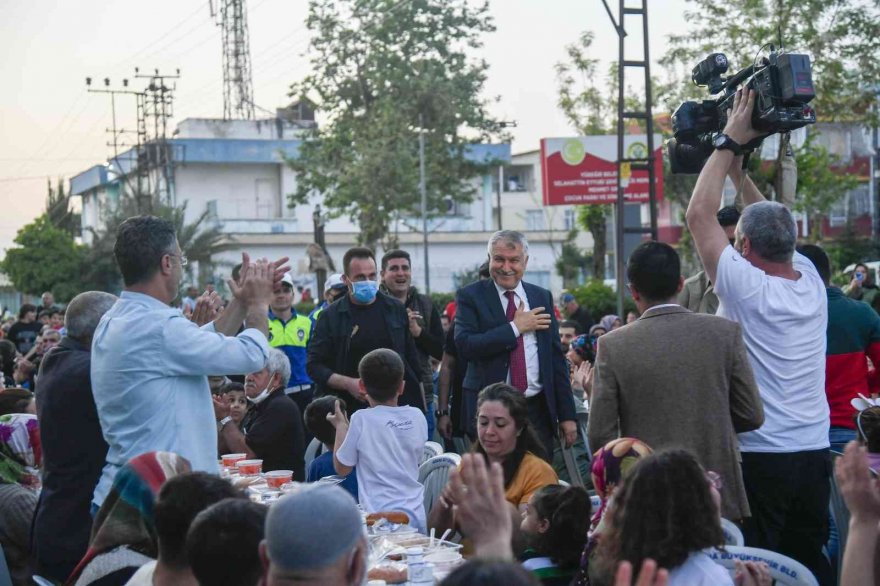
720	398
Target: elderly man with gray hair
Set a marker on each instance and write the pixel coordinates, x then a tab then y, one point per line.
315	536
272	429
778	298
73	446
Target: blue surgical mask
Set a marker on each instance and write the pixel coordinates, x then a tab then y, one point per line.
364	291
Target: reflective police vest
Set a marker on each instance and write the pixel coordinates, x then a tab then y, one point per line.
292	338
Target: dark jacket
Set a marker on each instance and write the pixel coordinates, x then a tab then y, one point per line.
430	342
484	338
329	348
73	458
274	431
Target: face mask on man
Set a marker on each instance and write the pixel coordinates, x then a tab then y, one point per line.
261	397
364	291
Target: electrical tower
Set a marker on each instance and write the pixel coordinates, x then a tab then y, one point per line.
238	89
151	161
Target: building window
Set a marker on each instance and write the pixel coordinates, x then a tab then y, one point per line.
568	219
535	220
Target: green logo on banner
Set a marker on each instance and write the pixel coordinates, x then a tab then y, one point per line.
637	150
573	152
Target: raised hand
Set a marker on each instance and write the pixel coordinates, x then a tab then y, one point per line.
739	118
338	418
530	321
861	493
208	306
482	512
649	575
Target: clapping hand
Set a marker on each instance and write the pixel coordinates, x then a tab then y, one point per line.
482	512
583	377
276	271
415	329
752	574
221	407
862	495
208	307
649	575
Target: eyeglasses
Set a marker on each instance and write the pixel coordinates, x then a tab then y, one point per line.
182	257
715	480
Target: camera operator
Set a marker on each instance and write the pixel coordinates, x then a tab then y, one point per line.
778	298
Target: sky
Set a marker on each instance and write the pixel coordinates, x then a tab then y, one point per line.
51	127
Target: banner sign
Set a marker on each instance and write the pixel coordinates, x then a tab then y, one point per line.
583	170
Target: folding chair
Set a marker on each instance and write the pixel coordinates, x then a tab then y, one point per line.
314	449
431	449
783	569
732	533
434	474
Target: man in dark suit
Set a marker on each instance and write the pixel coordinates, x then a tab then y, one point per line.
363	320
506	330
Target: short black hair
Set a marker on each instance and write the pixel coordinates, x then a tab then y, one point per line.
394	254
478	572
356	252
728	216
819	259
382	372
179	501
654	270
15	400
231	387
483	271
571	324
141	242
26	309
316	418
222	545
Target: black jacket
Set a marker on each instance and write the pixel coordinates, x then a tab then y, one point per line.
73	458
330	343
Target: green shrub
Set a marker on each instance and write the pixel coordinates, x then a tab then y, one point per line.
441	299
600	299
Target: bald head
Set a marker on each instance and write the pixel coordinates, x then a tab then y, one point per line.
84	312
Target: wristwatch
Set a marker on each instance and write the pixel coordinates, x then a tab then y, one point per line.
222	423
722	142
441	413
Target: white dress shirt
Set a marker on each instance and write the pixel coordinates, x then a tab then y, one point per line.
530	341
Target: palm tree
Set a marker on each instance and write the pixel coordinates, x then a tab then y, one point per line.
199	240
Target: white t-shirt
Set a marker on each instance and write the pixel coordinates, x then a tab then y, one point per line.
700	570
144	575
386	444
783	325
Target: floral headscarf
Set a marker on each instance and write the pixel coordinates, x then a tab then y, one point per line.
583	348
610	464
20	451
126	516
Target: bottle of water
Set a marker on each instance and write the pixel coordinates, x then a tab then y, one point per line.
418	571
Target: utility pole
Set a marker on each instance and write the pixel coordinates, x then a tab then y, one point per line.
238	90
117	132
321	270
424	192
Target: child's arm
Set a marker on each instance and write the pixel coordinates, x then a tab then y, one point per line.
340	422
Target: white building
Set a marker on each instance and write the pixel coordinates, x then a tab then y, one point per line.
235	171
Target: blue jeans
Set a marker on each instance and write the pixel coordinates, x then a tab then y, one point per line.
429	415
840	436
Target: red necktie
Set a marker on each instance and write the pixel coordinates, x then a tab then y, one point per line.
518	377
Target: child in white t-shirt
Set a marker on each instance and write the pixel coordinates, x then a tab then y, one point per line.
385	442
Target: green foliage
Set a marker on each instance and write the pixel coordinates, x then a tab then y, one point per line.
572	262
58	210
441	300
46	258
594	219
466	276
198	240
850	248
820	186
600	299
382	69
842	37
304	308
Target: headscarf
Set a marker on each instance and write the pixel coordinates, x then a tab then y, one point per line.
126	517
20	451
583	347
607	322
610	464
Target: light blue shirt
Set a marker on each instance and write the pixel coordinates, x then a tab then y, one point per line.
149	378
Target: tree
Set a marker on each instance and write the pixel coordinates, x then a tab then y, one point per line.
571	263
594	219
382	70
58	210
198	240
821	183
46	258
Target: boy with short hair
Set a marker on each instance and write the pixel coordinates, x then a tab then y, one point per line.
233	394
324	432
385	441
